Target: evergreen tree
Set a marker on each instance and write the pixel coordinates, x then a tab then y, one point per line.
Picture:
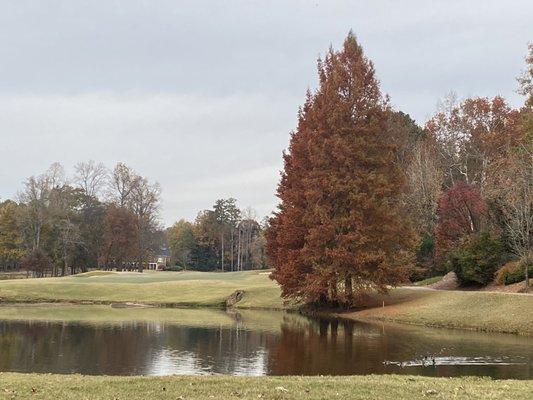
339	230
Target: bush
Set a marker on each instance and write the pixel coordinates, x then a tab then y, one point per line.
512	272
477	259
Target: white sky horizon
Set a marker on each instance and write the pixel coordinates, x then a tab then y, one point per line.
202	96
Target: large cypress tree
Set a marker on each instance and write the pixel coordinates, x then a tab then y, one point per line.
339	230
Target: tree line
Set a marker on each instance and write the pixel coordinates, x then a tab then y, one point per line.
223	238
109	219
370	199
98	218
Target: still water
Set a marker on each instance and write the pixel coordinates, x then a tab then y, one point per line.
256	343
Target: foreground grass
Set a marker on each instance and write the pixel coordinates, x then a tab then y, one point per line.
186	289
482	311
37	386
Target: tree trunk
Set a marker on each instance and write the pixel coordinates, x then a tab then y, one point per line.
348	290
231	247
527	276
222	250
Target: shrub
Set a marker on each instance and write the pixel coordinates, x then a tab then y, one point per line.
476	259
424	267
512	272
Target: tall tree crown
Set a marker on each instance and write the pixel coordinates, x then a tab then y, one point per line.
338	221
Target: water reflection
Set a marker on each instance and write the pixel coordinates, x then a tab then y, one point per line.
259	344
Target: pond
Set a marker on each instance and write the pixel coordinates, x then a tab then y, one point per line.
255	343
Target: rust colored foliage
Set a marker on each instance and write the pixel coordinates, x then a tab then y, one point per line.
471	135
339	230
461	210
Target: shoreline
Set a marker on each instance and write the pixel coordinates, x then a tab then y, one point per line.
481	311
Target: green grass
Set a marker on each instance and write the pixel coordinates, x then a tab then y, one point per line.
428	281
483	311
186	289
45	387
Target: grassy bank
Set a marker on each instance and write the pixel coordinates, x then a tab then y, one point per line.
477	310
36	386
185	289
483	311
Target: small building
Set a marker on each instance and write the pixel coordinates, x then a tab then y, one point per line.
159	263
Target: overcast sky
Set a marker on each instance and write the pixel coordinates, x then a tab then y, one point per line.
201	96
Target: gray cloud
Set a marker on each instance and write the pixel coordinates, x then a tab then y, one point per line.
201	96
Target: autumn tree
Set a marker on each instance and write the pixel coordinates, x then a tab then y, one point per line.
182	242
339	229
121	238
470	135
206	231
526	79
90	218
131	191
37	262
461	211
121	184
64	204
511	181
11	241
144	203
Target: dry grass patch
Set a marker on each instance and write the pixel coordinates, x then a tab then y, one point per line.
483	311
45	387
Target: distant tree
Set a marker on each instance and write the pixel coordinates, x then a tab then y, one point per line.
227	215
35	198
469	136
91	177
251	242
511	194
182	242
64	206
36	262
144	203
122	182
90	215
417	155
340	229
461	210
526	80
11	241
121	238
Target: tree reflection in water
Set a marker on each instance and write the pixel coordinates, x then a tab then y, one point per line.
257	343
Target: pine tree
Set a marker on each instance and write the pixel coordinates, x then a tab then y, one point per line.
339	230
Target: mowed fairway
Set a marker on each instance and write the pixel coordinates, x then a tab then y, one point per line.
187	289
